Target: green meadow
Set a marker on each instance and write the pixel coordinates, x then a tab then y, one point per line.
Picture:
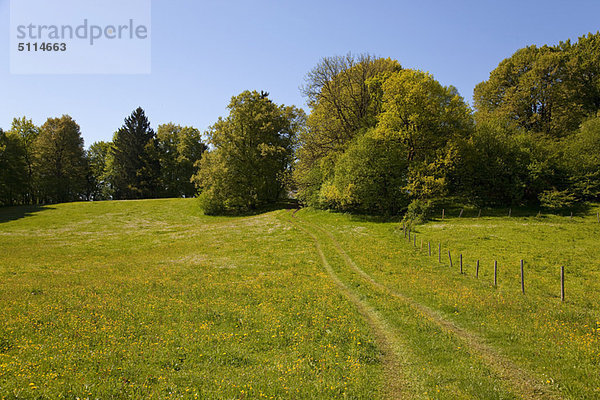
152	299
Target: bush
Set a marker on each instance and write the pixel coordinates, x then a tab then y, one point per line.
210	204
418	211
370	177
556	200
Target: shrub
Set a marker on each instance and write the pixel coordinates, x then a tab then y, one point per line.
210	204
370	177
556	200
418	211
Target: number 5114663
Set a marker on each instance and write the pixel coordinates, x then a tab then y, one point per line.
44	46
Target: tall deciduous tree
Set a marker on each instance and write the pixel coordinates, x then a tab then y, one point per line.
135	167
60	162
583	68
422	113
342	93
409	152
179	148
582	159
97	156
251	155
548	89
13	170
27	133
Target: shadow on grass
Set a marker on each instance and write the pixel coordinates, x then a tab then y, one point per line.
364	217
280	205
375	218
8	214
454	210
457	210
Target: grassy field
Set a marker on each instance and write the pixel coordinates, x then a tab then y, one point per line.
151	299
555	344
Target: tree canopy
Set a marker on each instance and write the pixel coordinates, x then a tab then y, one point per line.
49	164
179	149
250	159
379	139
13	170
399	149
548	89
60	161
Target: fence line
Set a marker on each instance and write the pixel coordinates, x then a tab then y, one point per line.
477	264
407	233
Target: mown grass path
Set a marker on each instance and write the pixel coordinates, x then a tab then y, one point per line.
520	382
395	353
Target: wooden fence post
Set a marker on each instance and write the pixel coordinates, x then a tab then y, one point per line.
477	270
443	213
415	240
450	258
461	213
562	283
509	212
522	279
479	214
461	267
421	243
495	273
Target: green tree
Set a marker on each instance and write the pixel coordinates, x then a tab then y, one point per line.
548	89
340	97
60	163
27	133
583	68
251	154
546	93
492	170
422	113
3	167
343	103
134	165
370	177
179	148
582	160
427	118
408	154
98	182
501	165
13	170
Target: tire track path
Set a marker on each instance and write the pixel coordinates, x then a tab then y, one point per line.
512	376
395	353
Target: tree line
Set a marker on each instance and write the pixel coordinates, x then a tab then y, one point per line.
382	139
48	164
379	139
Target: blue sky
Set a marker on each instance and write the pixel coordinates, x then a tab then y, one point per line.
204	52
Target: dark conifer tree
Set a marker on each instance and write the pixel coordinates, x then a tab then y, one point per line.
135	164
